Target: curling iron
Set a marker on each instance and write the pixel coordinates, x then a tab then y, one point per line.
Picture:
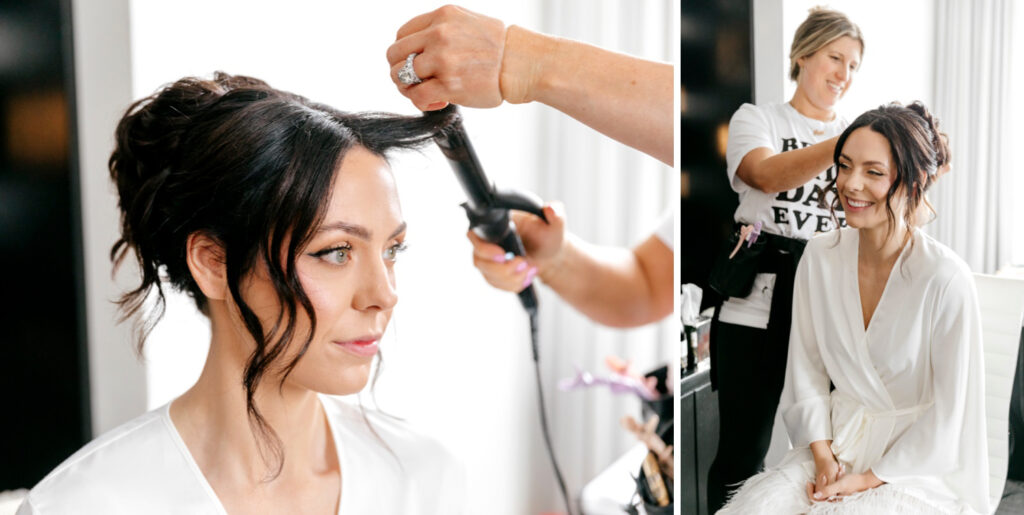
488	207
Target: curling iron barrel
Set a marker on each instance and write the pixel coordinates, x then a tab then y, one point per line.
488	207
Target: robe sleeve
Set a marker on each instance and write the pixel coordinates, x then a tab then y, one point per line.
805	396
26	508
949	439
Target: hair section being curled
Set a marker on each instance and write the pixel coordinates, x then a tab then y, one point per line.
252	168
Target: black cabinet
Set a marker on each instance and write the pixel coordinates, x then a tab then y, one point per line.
698	440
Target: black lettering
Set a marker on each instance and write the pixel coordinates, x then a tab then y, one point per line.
780	215
788	144
797	193
816	195
824	223
842	222
805	144
801	221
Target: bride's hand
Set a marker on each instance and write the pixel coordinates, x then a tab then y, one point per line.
826	468
847	485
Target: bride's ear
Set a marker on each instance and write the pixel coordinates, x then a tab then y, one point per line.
206	262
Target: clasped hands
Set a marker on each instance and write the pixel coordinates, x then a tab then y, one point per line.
831	482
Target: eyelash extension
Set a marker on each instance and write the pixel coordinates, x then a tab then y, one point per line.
324	252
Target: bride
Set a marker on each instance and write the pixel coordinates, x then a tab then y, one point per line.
888	317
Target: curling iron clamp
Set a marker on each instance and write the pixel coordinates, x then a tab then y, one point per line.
487	207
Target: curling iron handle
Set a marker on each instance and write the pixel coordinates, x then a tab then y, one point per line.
528	297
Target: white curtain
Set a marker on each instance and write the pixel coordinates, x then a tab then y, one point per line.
973	42
614	196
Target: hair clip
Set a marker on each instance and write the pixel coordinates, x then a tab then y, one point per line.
754	233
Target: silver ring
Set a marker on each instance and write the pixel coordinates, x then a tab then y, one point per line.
407	75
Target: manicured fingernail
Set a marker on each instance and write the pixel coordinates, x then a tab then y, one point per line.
817	495
529	277
435	106
504	258
521	266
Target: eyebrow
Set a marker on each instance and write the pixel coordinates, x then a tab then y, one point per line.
866	163
357	230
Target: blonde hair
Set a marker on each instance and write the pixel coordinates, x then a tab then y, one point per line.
821	27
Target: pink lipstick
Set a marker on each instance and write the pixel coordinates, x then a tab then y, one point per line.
365	347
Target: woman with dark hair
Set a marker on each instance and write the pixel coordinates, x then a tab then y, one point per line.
889	316
280	218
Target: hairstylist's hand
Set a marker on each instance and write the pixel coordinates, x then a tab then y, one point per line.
459	61
543	243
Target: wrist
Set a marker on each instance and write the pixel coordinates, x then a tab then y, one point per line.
552	267
871	480
521	78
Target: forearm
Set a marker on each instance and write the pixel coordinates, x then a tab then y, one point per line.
611	286
787	170
623	97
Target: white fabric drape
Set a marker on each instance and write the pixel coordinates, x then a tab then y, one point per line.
613	196
972	100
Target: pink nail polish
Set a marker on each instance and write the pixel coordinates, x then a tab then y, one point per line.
529	277
521	266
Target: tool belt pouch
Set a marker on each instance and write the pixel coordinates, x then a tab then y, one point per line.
735	277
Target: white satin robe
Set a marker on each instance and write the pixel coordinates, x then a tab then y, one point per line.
909	395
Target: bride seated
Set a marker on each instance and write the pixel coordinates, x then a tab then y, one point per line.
884	394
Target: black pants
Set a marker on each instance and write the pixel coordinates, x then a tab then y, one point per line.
748	368
748	395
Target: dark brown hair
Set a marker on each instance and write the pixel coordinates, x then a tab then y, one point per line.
251	167
918	151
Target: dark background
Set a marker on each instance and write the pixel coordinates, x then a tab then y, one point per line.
43	362
717	78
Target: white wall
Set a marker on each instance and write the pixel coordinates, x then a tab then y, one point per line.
897	64
103	82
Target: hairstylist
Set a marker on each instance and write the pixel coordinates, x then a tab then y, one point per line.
454	55
779	161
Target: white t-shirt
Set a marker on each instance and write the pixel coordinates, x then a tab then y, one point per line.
143	466
797	213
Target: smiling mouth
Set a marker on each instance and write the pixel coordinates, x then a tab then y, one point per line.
836	88
859	204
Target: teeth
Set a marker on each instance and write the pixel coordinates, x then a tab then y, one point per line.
858	203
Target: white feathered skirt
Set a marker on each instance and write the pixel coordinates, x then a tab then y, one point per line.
782	491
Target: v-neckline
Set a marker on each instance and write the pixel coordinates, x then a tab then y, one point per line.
208	488
865	328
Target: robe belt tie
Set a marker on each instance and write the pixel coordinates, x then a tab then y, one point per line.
860	436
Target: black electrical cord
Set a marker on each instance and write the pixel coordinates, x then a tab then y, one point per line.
543	415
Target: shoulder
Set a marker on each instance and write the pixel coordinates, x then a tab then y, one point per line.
119	472
377	428
939	263
751	113
822	245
